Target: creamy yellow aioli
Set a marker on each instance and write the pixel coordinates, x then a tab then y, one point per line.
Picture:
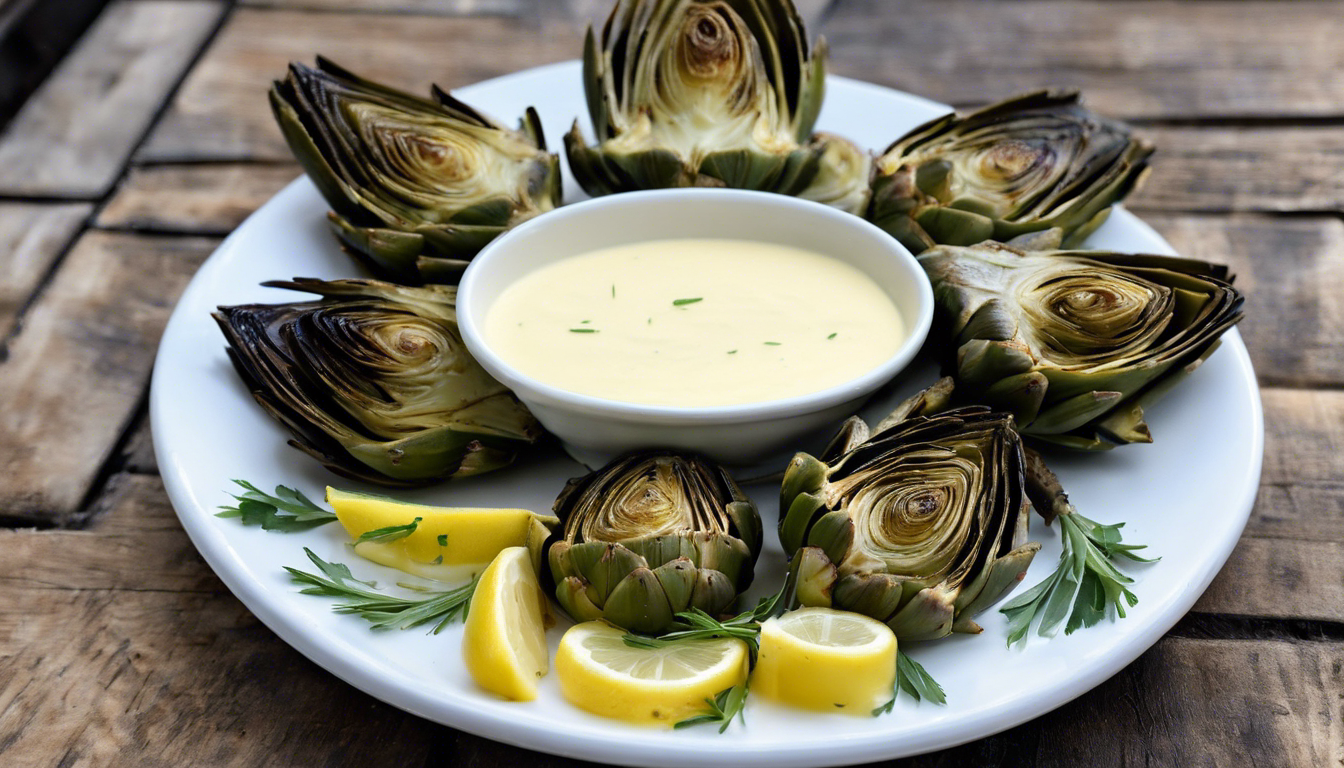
695	323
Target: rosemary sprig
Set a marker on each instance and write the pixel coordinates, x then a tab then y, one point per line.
915	681
287	511
1086	581
722	709
383	611
1082	587
745	626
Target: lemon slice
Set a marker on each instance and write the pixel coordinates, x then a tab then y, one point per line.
600	673
828	660
505	637
448	543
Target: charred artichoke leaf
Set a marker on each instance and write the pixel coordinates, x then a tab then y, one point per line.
373	380
651	535
921	525
417	186
1034	162
1075	344
717	93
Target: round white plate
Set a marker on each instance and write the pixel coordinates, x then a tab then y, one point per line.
1187	495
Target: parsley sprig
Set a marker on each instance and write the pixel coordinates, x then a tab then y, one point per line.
287	511
382	610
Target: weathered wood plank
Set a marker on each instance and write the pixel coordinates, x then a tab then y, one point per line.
79	367
31	237
1133	58
1262	169
1280	578
202	199
73	136
1292	270
1302	486
135	654
221	111
1208	703
139	456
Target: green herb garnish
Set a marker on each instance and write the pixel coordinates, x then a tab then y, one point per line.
772	343
383	611
832	336
287	511
583	330
732	351
912	678
443	539
390	533
684	302
722	709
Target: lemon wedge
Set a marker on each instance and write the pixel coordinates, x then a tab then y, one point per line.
448	543
828	660
598	672
504	641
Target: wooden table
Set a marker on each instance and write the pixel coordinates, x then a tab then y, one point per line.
152	139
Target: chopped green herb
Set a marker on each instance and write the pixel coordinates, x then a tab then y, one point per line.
443	539
287	511
583	330
832	336
772	343
732	351
613	290
584	322
684	302
390	533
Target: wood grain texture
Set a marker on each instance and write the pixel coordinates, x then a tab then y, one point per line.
134	654
72	138
77	370
202	199
1293	169
1302	487
1133	58
1280	578
1208	703
221	111
1292	271
31	238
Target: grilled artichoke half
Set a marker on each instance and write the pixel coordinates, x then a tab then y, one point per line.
650	535
922	524
1076	343
373	381
1034	162
717	93
416	186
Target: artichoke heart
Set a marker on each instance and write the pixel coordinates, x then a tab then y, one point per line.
650	535
921	524
1075	344
1036	162
373	380
717	93
416	186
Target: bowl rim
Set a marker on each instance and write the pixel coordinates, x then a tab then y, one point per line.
918	318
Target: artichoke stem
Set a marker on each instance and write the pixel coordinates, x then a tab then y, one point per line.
1044	489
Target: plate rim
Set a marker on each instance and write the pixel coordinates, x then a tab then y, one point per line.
615	747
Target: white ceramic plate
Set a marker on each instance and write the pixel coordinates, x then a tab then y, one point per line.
1188	496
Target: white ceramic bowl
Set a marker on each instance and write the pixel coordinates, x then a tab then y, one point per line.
594	429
